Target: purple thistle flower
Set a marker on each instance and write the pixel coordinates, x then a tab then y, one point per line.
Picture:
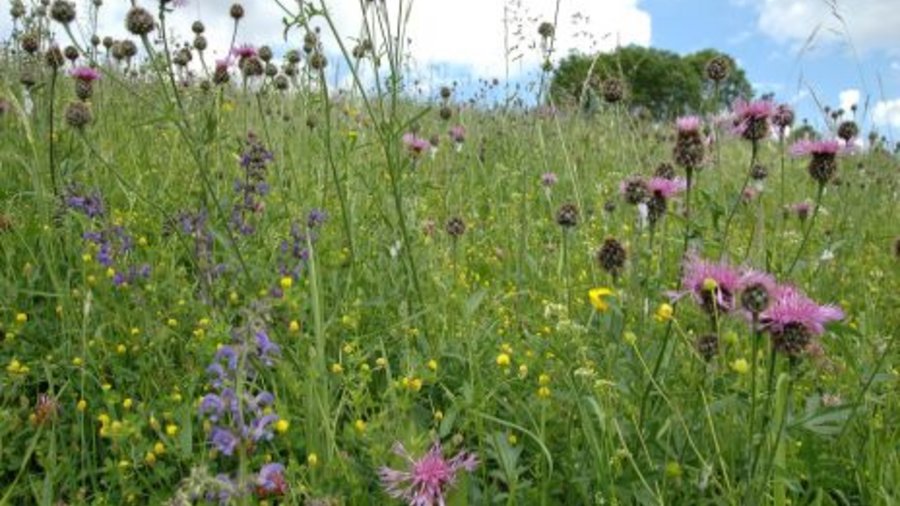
686	124
549	179
667	188
458	134
428	478
751	119
791	307
415	144
243	51
806	147
224	440
85	74
712	285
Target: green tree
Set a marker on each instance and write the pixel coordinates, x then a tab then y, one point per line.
662	83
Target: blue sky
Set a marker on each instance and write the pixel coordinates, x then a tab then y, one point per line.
773	57
467	40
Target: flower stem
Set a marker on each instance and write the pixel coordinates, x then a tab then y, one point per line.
806	234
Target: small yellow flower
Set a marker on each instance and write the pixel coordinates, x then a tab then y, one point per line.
135	331
294	326
91	279
598	297
381	362
543	392
203	323
432	364
21	318
438	415
415	384
128	403
337	368
544	379
234	298
740	366
523	371
503	360
150	458
110	272
142	241
77	361
312	459
103	418
124	464
159	448
512	439
172	322
171	429
359	425
121	349
81	405
664	312
282	426
286	282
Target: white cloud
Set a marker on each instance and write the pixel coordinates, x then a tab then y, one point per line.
464	33
868	24
848	98
887	113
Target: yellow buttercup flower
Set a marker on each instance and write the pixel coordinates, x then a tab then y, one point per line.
740	366
598	297
664	312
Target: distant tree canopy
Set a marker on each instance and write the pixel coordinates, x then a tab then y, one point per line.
660	82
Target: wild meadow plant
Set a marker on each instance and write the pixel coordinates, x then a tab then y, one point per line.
230	278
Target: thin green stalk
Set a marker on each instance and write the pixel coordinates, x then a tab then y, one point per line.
806	234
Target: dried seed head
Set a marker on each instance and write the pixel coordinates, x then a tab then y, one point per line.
281	83
546	29
30	42
200	43
95	40
54	58
455	227
446	113
613	90
611	256
707	346
236	12
198	28
567	215
78	115
108	42
292	56
84	89
446	92
71	53
718	68
759	172
62	11
665	170
265	53
848	130
317	61
17	9
139	22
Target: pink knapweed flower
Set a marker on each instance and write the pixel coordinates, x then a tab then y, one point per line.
415	144
667	188
86	74
428	478
712	285
751	119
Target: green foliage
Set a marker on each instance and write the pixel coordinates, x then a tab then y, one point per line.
659	82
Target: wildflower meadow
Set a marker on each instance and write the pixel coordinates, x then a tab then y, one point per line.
236	278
